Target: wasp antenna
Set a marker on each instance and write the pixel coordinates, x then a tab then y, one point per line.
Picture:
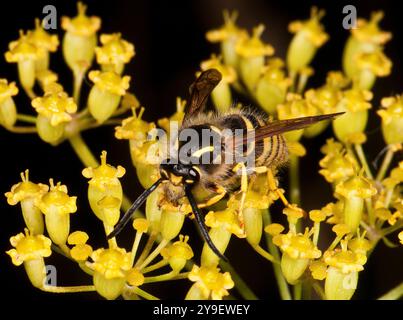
201	224
129	213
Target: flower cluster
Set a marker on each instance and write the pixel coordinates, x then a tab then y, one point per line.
367	206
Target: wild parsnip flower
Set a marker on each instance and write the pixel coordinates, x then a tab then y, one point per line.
309	36
80	39
30	250
57	206
27	193
298	250
178	253
209	283
355	103
222	225
272	87
114	53
337	167
81	250
54	110
105	95
221	94
25	54
354	190
400	236
110	270
392	119
228	35
8	110
367	38
45	41
252	52
177	117
372	65
318	269
104	190
48	81
342	273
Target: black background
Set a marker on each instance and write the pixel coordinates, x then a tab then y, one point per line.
169	37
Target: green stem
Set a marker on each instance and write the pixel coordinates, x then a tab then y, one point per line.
281	282
319	290
74	289
78	80
363	160
297	291
240	284
173	275
385	164
143	294
26	118
394	294
17	129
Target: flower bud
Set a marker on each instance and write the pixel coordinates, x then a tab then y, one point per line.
309	36
178	253
105	95
80	39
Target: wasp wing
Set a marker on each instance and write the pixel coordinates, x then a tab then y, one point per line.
200	91
280	126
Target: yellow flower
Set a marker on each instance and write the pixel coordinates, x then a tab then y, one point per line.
337	166
392	119
141	225
356	186
309	36
111	267
27	193
375	62
30	250
134	128
332	147
42	39
104	182
106	94
369	31
81	251
297	246
114	53
80	39
178	253
7	90
81	25
346	261
210	282
57	206
23	52
29	247
360	245
57	107
317	215
226	219
177	117
293	213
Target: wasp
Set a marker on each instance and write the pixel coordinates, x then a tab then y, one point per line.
185	173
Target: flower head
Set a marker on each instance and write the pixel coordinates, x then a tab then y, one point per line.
29	247
376	62
110	81
114	49
111	263
57	199
312	28
178	253
56	106
81	251
228	73
346	261
226	219
369	31
253	46
81	25
23	49
134	128
211	282
25	190
42	39
228	30
356	186
297	246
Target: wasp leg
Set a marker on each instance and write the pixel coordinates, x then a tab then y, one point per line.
221	192
243	190
273	187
